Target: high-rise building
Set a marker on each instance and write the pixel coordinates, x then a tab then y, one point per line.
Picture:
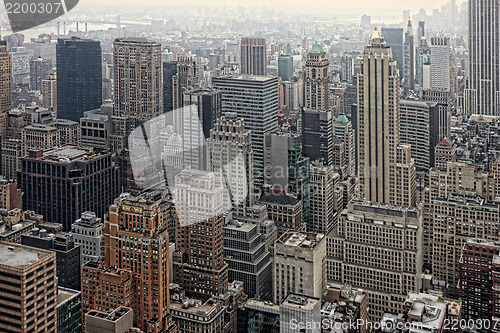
394	38
286	169
69	310
136	252
365	231
346	69
409	59
21	269
199	264
455	219
49	92
475	287
67	254
195	315
202	107
317	80
260	112
62	183
138	78
253	56
87	232
323	183
419	125
482	95
285	67
5	86
385	167
299	265
440	63
344	131
248	260
39	71
317	135
230	156
186	76
303	310
79	77
169	71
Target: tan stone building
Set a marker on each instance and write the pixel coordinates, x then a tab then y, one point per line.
377	248
21	269
299	265
386	170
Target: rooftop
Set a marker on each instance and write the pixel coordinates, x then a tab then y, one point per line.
281	199
16	255
113	316
65	294
299	301
300	239
317	49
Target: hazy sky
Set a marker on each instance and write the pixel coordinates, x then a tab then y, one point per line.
357	7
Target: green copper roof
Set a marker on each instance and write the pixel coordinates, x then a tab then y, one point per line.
317	49
342	119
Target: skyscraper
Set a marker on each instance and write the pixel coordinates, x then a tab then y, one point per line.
136	261
201	109
62	183
285	67
483	90
198	260
344	131
260	112
323	183
317	80
21	269
385	167
5	86
79	77
39	71
184	78
253	56
230	152
409	58
138	78
317	135
286	169
440	64
169	70
394	38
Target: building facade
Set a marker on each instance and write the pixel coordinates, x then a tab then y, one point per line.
79	77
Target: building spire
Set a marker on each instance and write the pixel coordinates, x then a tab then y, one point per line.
376	34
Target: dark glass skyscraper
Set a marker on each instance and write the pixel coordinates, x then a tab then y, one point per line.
79	77
169	70
394	38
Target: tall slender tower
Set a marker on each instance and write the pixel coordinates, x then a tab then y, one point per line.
385	167
230	156
483	91
409	58
136	244
317	92
185	78
253	56
5	86
138	78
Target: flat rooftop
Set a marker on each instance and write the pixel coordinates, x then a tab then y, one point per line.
300	239
299	301
64	294
16	255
